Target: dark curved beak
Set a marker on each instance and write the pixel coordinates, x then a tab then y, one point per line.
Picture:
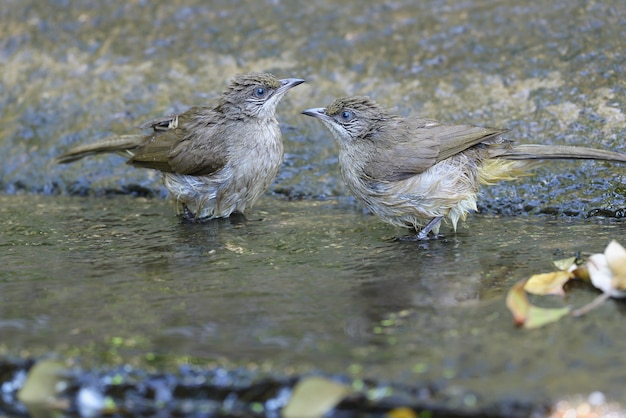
316	112
288	83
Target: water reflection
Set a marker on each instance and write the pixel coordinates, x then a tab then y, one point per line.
299	284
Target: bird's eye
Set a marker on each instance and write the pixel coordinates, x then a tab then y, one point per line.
260	92
346	116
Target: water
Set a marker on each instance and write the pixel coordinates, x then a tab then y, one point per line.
302	286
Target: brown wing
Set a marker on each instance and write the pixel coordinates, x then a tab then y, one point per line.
191	143
403	149
454	139
154	152
411	146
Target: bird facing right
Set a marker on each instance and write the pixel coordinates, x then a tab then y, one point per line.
216	159
414	172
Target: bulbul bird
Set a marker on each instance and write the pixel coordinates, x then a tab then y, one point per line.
217	159
414	172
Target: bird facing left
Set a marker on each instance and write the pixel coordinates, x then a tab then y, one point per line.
215	160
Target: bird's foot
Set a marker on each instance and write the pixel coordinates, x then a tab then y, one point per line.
189	216
418	237
426	233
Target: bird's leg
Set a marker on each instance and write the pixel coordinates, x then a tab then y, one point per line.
422	235
188	215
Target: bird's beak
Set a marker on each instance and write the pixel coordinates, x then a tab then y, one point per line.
287	83
316	112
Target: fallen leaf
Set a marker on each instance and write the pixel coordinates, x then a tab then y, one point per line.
565	264
527	315
548	283
538	317
581	272
517	302
314	397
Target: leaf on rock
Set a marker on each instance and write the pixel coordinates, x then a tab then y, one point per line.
314	397
548	283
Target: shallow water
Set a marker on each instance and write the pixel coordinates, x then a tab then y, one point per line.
303	286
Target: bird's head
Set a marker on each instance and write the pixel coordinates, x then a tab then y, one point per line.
350	118
257	94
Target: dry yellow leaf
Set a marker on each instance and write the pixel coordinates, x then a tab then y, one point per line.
581	272
548	283
517	302
529	316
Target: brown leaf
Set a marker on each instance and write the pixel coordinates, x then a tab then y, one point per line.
548	283
517	302
581	272
527	315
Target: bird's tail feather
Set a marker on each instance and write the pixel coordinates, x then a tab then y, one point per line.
558	152
117	144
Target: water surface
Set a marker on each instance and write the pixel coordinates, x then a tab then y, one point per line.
303	286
